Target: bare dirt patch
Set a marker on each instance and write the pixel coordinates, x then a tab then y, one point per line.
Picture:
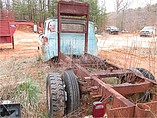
22	64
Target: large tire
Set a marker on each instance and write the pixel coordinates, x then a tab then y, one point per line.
55	95
146	73
143	96
73	92
146	96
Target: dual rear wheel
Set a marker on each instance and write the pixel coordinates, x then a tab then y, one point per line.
62	93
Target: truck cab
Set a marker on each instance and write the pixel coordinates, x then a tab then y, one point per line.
72	43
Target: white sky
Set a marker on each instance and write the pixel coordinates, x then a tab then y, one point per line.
134	4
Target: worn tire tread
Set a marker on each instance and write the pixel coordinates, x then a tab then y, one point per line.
72	89
57	103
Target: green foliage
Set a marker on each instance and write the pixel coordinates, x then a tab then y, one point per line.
97	14
101	21
1	6
41	72
39	10
30	89
44	115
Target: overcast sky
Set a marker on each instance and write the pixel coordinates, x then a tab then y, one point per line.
134	4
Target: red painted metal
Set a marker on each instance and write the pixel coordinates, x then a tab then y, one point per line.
99	109
7	27
18	23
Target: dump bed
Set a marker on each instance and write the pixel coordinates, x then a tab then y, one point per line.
6	17
7	26
4	28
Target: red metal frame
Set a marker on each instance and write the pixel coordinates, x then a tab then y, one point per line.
91	81
7	27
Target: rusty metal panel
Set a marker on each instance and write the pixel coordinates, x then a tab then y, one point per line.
73	8
110	73
153	106
119	100
68	10
142	110
127	88
121	112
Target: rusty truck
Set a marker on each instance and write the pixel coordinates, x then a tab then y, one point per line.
69	40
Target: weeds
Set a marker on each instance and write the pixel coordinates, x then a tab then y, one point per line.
39	58
30	89
27	94
41	72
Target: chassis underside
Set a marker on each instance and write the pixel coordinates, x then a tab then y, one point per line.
133	92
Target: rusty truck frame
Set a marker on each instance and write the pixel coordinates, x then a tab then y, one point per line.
88	74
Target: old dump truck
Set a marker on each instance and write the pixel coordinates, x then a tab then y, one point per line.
7	27
117	92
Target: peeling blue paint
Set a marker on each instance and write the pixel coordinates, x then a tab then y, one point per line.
71	43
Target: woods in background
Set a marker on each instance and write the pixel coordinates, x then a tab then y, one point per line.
123	17
39	10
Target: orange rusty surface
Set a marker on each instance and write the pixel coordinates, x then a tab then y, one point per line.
142	110
121	112
153	106
127	88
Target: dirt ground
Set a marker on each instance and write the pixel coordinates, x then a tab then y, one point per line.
20	64
129	51
24	63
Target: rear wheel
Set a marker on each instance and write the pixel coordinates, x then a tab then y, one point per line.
55	95
146	73
73	92
143	96
146	96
